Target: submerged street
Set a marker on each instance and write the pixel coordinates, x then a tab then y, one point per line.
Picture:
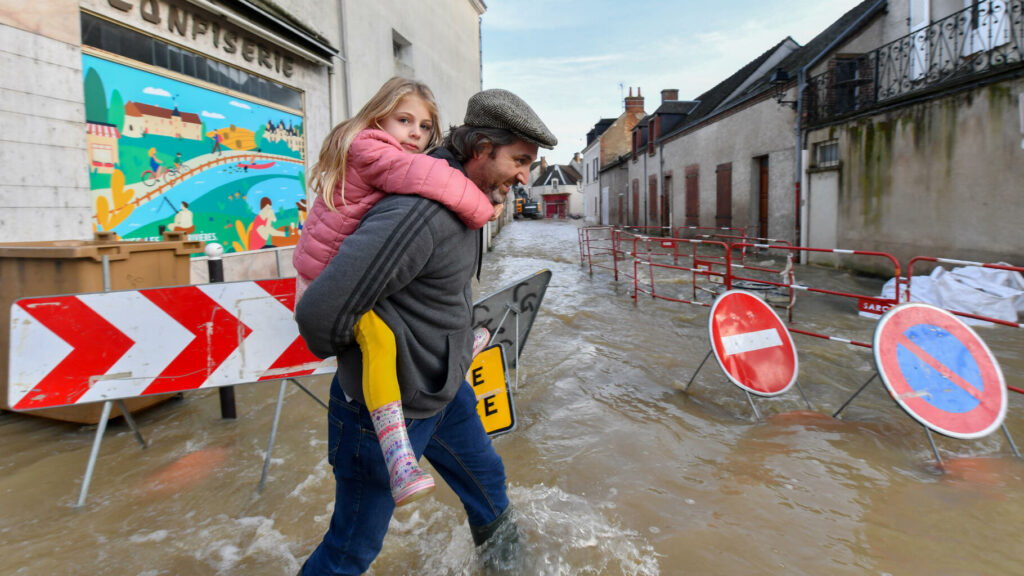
613	468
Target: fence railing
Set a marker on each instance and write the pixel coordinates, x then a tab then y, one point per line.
976	40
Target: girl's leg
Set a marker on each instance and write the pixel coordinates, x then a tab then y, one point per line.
409	482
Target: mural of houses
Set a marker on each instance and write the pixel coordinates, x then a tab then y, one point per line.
287	134
235	138
141	119
101	142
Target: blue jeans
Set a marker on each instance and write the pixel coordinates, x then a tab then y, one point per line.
453	441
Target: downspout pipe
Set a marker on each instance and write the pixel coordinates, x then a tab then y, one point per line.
346	77
801	87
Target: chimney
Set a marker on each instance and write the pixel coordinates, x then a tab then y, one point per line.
635	104
669	94
543	164
576	158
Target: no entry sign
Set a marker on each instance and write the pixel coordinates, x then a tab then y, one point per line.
939	371
751	344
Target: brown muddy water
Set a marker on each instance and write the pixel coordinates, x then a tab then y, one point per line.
612	467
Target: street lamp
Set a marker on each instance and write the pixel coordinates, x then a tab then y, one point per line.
778	82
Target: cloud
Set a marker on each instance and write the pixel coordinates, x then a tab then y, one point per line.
156	92
238	104
574	60
215	115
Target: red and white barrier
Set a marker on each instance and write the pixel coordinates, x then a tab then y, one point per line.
68	350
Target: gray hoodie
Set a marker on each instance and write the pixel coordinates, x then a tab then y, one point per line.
412	261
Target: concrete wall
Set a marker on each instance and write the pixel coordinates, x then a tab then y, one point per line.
591	184
44	194
616	179
443	51
940	178
761	129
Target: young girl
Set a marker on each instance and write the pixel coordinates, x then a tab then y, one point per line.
374	153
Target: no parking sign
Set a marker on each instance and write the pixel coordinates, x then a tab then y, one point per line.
939	371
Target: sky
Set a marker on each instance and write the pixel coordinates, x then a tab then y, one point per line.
573	61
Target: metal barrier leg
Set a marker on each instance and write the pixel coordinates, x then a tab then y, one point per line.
800	388
273	436
515	385
859	390
752	405
1010	438
100	429
698	370
310	393
131	423
934	449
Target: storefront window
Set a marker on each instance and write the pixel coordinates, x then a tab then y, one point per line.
105	35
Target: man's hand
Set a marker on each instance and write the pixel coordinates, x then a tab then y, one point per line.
498	209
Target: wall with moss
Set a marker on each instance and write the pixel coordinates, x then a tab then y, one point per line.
941	178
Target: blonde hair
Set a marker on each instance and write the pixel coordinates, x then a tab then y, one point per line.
330	167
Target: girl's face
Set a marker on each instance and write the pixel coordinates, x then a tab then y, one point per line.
410	123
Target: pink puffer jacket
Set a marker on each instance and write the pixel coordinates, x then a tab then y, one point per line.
378	165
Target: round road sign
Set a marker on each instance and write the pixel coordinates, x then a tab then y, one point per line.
939	371
751	344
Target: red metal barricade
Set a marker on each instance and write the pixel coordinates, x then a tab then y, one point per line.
711	266
788	282
596	242
910	277
954	262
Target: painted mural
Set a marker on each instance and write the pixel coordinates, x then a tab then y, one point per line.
169	155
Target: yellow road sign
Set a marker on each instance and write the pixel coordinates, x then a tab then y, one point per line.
493	398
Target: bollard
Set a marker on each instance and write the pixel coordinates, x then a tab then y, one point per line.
215	266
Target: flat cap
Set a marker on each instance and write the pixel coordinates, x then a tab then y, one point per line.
497	108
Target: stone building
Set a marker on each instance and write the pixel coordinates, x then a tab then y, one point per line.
606	143
914	133
98	92
897	129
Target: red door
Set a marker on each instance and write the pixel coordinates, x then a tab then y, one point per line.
723	179
556	205
762	199
693	195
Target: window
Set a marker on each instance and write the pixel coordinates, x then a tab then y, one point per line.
402	49
847	85
988	25
108	36
826	154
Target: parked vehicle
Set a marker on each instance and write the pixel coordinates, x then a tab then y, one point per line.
526	207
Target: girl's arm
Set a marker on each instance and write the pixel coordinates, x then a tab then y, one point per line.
383	255
382	164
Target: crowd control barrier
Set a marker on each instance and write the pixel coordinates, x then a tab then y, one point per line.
660	263
787	281
597	243
711	265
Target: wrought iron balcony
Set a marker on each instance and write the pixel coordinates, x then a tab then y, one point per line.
987	36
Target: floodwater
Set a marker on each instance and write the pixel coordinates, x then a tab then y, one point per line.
613	468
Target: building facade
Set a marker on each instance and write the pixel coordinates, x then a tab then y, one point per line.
114	108
915	133
607	142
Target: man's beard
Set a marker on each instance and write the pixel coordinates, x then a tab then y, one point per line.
496	196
